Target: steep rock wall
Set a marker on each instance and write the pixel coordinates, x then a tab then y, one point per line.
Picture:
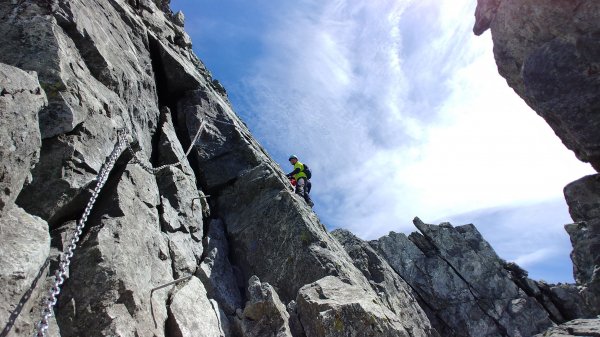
114	65
25	238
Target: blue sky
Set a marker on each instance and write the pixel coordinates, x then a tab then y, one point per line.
400	112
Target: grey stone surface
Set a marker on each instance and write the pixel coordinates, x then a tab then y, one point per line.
462	280
25	238
264	314
485	12
578	327
216	272
295	325
395	293
226	147
109	64
120	260
267	225
548	53
179	18
23	264
192	314
21	98
583	199
570	301
331	307
185	253
178	191
92	88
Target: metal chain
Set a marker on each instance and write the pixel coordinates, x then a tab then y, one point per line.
65	258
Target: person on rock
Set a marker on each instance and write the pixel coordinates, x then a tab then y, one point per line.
303	184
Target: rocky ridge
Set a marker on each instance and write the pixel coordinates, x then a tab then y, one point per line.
217	245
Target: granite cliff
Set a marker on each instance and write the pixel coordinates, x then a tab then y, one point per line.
216	245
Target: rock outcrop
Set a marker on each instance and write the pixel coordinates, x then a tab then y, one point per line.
458	275
396	294
25	238
577	327
264	314
583	198
549	53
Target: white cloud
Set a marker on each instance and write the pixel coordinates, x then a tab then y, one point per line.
535	256
400	111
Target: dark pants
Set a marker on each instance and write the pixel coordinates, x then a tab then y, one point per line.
303	186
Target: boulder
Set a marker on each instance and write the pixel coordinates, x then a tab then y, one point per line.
23	266
330	307
583	199
192	314
570	301
264	314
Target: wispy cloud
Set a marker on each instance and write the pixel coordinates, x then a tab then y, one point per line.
399	110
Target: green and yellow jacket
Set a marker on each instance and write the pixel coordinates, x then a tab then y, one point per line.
298	171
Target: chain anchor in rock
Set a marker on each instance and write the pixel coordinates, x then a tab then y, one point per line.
65	257
163	286
199	199
156	170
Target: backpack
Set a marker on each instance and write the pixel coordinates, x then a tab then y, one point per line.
306	171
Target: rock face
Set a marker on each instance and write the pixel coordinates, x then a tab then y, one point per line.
187	304
549	53
216	271
396	294
109	65
583	198
467	290
264	314
577	327
173	238
25	238
21	98
331	307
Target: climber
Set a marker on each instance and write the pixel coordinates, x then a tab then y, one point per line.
303	184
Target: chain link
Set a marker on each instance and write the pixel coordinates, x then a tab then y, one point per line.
65	259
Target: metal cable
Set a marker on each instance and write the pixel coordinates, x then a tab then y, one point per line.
155	170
